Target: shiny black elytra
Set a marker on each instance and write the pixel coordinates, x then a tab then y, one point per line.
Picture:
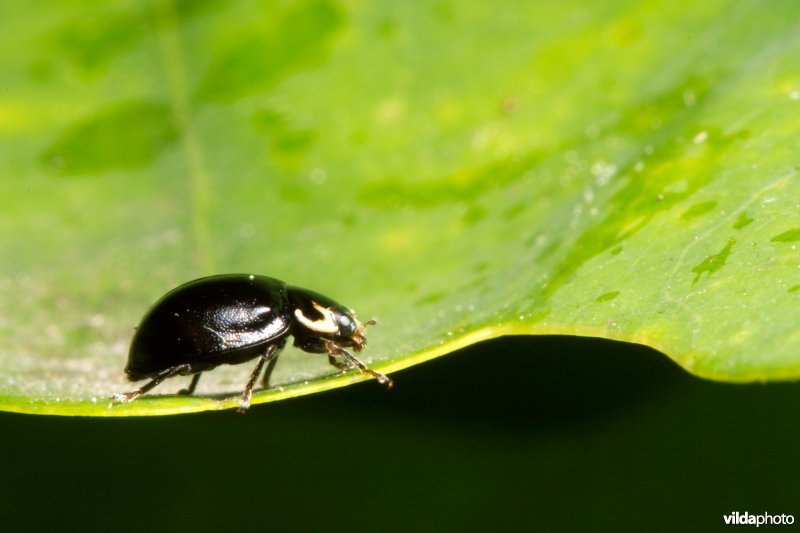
234	318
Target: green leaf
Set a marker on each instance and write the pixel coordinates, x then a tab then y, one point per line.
626	170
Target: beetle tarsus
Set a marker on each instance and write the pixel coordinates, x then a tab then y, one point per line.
244	402
382	379
125	397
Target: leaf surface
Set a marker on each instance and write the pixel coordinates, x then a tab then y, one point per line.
626	170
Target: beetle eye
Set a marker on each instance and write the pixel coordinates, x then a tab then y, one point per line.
347	326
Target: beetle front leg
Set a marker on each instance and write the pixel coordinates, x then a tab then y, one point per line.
351	362
341	365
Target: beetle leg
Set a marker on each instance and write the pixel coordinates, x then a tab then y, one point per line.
351	362
270	356
341	365
192	385
161	376
244	401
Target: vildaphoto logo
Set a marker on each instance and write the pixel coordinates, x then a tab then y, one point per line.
765	519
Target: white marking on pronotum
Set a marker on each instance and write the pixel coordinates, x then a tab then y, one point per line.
324	325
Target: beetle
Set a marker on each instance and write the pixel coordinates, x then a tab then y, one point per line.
234	318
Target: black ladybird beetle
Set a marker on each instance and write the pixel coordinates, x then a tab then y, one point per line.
233	318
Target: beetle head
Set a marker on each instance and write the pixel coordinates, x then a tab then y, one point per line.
317	317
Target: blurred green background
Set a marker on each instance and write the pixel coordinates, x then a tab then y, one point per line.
569	434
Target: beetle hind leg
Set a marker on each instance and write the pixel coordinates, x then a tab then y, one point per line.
161	376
